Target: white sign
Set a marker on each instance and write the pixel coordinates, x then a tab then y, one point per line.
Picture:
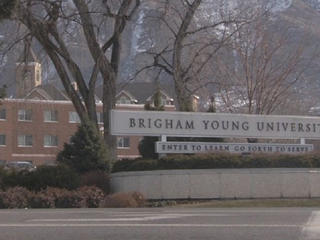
194	124
200	147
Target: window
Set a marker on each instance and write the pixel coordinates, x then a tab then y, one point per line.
25	140
124	100
2	140
100	117
50	141
24	115
123	142
3	114
50	116
74	117
164	101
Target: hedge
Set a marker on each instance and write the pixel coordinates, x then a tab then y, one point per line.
19	197
45	176
220	160
84	197
59	176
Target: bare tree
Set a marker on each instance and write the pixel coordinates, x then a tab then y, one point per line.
196	31
6	8
52	23
267	62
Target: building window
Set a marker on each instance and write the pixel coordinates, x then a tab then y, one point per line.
100	117
50	141
24	115
50	116
123	142
165	101
25	140
3	114
2	140
124	100
74	117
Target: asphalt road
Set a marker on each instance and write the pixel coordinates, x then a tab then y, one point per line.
161	223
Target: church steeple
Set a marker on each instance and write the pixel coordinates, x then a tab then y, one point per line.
28	71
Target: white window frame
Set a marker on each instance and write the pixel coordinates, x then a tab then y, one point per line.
23	140
23	115
74	117
50	141
5	142
121	142
50	116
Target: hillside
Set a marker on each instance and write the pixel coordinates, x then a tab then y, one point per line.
303	16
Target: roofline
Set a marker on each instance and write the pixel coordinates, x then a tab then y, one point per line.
162	92
64	102
128	94
36	90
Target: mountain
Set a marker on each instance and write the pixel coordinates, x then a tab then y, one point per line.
142	34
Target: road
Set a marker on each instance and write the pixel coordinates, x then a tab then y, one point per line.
161	223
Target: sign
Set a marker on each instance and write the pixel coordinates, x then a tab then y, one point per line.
200	147
194	124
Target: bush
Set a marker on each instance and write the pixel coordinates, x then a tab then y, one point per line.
147	147
42	200
3	173
17	197
92	196
86	150
124	200
45	176
98	179
67	199
220	160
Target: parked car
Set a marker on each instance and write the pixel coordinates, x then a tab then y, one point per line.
20	165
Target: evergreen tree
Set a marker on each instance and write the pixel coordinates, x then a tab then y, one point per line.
147	144
86	150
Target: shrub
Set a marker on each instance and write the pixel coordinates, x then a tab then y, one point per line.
96	178
124	200
89	197
86	150
3	173
147	147
45	176
92	196
17	197
52	176
64	198
14	178
221	160
42	200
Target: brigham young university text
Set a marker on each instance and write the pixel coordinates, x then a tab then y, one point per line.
159	123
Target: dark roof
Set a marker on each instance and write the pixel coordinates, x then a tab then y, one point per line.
141	91
50	92
54	92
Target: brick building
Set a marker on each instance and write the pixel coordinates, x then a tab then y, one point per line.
35	125
35	130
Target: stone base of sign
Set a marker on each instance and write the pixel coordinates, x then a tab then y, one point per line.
220	183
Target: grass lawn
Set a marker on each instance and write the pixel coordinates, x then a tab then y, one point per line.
250	203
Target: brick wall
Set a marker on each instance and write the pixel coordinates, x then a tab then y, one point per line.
38	128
